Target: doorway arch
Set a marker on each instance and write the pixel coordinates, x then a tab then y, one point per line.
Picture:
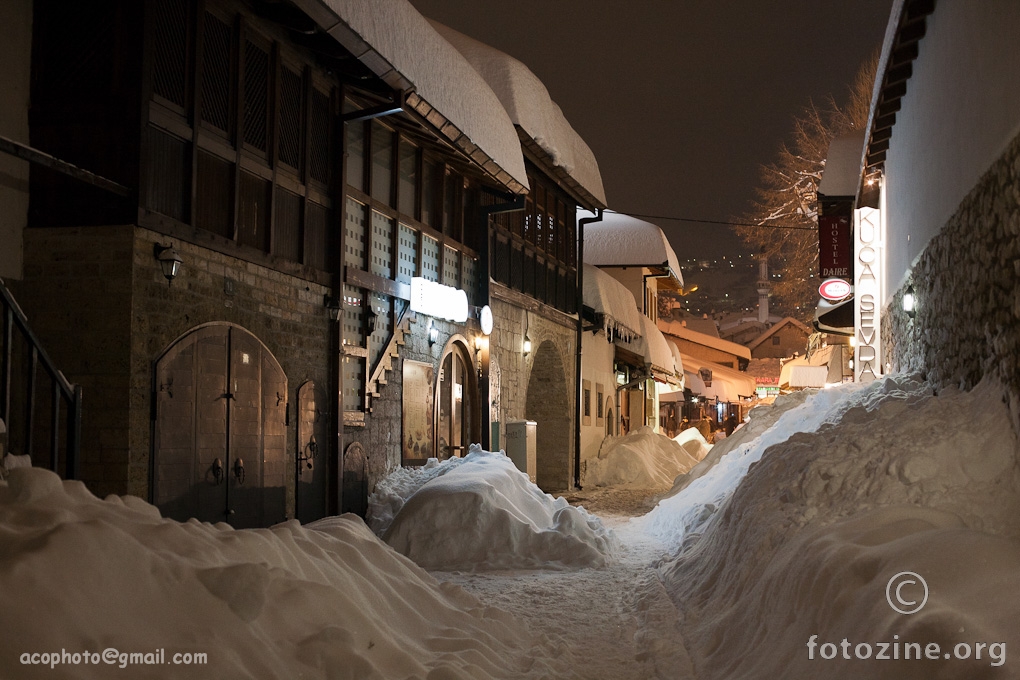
456	408
220	433
548	405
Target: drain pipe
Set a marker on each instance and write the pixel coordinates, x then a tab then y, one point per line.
580	334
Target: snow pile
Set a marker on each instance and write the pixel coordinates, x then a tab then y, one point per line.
694	443
529	105
481	512
83	574
894	479
680	513
643	459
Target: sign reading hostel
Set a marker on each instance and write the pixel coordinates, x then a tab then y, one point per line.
867	294
834	247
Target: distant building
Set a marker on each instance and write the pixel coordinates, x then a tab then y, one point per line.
782	340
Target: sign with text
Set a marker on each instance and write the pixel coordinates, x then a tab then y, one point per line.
834	247
868	259
435	299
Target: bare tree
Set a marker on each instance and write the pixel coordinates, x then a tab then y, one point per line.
785	210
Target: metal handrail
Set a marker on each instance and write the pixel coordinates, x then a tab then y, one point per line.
63	389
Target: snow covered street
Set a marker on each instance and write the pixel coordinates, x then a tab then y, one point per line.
771	558
617	622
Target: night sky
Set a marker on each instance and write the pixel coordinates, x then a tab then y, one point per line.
681	100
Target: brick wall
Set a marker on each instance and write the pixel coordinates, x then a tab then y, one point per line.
104	310
967	323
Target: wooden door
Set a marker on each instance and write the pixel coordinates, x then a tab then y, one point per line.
312	451
220	429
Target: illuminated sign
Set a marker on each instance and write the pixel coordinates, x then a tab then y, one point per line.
834	289
834	247
485	320
435	299
867	294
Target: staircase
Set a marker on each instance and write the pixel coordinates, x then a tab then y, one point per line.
21	357
377	378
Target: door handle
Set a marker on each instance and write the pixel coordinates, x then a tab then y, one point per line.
239	470
217	472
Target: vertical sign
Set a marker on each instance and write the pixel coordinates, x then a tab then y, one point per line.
834	247
418	412
867	294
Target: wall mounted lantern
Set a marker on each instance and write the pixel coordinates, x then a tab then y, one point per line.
909	302
527	345
169	261
332	305
433	333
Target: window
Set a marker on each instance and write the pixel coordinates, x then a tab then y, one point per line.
382	163
586	402
259	156
775	339
599	404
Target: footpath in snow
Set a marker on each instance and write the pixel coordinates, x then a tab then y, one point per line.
775	556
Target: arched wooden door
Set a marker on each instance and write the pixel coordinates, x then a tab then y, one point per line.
220	434
312	453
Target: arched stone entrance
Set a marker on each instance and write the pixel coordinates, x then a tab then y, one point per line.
456	392
548	405
219	448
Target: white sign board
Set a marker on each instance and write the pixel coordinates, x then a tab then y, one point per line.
435	299
868	267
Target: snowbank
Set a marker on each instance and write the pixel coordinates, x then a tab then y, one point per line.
83	574
887	479
480	512
643	459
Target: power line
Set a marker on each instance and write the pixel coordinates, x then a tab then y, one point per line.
728	224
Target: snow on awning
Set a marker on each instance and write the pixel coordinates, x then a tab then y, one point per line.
530	107
655	350
726	383
613	300
623	241
400	46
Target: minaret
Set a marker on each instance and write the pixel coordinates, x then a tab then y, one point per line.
763	288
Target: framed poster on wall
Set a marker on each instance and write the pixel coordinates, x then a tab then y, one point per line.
418	403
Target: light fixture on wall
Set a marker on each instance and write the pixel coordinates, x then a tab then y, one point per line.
527	345
909	301
332	305
169	261
433	333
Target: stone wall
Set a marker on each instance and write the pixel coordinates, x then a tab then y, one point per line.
967	286
102	307
529	394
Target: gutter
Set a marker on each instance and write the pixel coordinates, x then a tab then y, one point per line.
580	334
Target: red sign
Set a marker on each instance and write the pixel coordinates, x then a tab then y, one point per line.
834	289
834	247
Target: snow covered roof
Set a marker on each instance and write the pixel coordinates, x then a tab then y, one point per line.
727	384
788	321
623	241
613	300
530	107
400	46
653	347
842	173
677	329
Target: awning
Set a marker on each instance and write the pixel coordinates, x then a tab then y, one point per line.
835	317
727	384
